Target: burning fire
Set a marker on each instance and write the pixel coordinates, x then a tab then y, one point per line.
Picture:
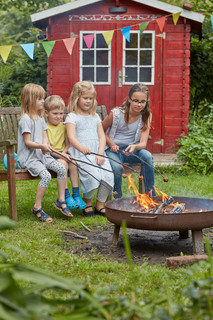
146	201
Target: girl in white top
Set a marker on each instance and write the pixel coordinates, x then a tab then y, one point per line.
33	150
86	135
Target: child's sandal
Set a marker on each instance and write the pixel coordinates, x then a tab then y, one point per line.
89	213
100	213
43	216
65	210
80	203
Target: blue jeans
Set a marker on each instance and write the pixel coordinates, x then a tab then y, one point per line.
146	170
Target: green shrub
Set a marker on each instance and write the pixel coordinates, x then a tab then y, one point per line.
196	149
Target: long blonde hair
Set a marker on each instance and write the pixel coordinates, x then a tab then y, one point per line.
29	94
78	90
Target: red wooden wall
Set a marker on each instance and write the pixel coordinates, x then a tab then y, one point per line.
170	92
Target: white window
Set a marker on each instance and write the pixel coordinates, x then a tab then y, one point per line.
138	58
95	64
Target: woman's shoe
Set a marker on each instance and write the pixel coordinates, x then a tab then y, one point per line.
88	213
100	213
65	210
80	203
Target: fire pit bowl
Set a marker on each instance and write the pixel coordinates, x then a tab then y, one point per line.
123	209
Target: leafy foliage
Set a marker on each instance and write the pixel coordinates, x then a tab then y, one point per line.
197	147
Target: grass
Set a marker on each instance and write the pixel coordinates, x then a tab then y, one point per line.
42	245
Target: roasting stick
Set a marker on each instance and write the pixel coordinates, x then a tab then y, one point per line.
90	164
132	154
122	164
69	160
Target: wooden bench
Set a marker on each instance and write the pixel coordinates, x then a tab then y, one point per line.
9	118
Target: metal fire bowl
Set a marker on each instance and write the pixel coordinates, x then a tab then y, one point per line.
123	209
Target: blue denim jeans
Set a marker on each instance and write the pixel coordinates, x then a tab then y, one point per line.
146	170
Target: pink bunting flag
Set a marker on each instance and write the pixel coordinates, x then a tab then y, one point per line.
88	39
161	22
69	43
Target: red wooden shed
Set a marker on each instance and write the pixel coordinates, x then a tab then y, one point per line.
158	58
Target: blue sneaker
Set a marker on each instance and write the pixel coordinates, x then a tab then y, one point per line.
80	203
71	203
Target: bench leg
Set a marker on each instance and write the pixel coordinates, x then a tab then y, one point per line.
11	182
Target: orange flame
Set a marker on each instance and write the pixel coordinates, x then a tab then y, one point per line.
145	200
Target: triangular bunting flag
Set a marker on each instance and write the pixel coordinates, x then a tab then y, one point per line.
108	36
4	52
69	43
143	26
212	21
29	49
126	32
176	16
88	39
48	46
161	22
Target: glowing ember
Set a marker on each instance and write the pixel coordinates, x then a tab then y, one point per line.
149	204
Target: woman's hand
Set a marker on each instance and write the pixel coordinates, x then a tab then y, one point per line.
99	160
114	148
130	149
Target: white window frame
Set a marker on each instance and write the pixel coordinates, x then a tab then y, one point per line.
138	65
95	50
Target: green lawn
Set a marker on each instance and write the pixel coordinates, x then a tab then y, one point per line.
43	246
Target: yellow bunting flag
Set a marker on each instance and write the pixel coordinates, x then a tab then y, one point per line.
4	52
176	16
48	46
108	36
143	26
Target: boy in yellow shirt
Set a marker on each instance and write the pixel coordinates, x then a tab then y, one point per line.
54	110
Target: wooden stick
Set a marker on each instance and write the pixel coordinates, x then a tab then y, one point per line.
74	234
85	227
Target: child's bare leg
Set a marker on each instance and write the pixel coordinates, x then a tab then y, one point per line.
88	211
73	170
41	189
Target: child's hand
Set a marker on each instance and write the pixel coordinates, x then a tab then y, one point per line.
114	148
85	150
46	148
130	149
99	160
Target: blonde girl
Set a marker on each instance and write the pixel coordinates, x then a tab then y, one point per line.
127	130
33	150
86	135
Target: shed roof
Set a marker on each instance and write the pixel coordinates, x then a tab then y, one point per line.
43	15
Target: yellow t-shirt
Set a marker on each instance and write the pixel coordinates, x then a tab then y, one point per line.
57	136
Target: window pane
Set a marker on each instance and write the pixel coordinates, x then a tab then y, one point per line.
146	57
101	74
83	43
133	43
131	57
100	42
145	74
102	57
88	57
131	75
146	40
88	74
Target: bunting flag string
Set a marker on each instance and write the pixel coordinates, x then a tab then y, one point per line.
88	39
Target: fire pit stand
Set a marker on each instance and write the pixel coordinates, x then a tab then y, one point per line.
124	209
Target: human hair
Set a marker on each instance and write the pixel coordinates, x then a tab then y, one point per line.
29	94
53	102
146	112
78	90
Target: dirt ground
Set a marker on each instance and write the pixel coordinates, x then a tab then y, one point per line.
151	246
